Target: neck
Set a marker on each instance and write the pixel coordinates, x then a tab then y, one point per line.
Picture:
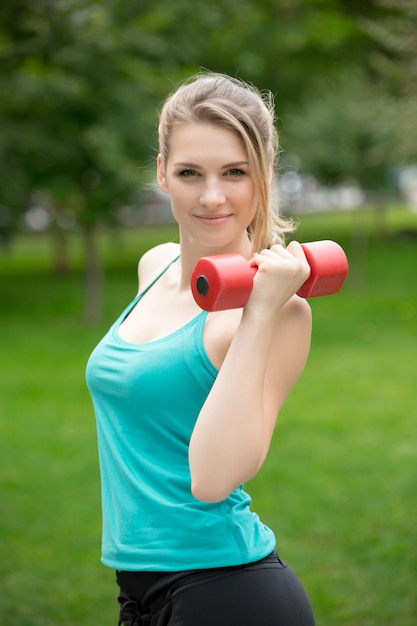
190	254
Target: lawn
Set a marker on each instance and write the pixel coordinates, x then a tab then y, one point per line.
339	484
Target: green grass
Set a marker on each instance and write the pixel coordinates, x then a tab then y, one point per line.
338	487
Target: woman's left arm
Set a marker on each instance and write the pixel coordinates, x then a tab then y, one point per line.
233	432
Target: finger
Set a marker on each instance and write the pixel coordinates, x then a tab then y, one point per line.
296	250
277	248
276	252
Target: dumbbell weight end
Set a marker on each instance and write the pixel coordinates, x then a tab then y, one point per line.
223	281
328	269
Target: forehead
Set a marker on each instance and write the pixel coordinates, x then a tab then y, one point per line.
203	142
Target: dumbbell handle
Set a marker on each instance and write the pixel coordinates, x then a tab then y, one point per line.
225	281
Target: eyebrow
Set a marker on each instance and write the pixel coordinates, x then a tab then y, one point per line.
225	166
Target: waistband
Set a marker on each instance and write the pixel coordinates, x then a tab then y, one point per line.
144	586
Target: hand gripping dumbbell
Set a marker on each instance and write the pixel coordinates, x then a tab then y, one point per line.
225	281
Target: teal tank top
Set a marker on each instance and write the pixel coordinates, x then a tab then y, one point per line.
147	398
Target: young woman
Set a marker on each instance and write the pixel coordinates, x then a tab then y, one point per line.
186	401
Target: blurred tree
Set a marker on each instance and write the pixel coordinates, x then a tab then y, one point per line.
81	81
75	113
345	132
395	64
355	123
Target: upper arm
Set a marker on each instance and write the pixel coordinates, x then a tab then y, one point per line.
287	357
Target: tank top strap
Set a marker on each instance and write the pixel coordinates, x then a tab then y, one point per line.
136	299
157	277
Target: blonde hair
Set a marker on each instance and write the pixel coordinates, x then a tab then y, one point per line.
244	110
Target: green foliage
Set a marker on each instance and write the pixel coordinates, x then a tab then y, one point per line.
395	63
76	119
345	132
82	80
338	485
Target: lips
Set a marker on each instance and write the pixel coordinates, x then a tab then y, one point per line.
214	220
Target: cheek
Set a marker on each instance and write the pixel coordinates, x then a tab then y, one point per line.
250	198
181	201
180	194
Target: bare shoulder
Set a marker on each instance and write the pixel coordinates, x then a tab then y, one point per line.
297	310
154	260
290	343
162	252
292	336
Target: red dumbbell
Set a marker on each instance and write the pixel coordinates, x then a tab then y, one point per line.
225	281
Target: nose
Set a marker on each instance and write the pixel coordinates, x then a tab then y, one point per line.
212	194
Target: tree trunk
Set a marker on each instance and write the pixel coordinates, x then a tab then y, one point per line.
359	248
60	251
93	276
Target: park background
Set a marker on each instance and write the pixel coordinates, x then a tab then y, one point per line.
81	83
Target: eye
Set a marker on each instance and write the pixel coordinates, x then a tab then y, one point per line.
188	173
235	172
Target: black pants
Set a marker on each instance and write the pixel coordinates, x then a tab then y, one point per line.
264	593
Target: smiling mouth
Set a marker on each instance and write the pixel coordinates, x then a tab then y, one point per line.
214	219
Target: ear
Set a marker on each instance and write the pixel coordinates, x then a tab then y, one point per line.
160	175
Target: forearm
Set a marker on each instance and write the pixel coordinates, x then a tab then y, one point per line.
228	442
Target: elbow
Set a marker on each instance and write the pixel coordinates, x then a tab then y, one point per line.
214	480
208	491
217	486
210	478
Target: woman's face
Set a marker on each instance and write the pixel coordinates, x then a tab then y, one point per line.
213	195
